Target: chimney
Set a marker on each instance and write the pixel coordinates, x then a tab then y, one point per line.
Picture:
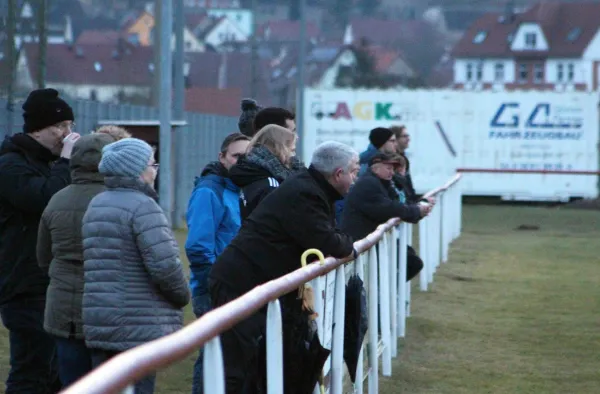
509	12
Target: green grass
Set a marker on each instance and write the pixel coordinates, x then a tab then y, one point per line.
512	312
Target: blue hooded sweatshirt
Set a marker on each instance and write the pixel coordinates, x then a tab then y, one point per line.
364	165
213	219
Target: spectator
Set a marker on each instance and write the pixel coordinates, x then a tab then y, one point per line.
246	122
274	115
373	201
405	181
34	165
118	133
381	140
134	288
265	167
59	251
213	219
295	217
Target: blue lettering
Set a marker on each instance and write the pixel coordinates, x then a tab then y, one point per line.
515	117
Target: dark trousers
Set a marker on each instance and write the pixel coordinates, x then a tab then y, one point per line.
74	359
414	264
33	365
239	344
143	386
201	304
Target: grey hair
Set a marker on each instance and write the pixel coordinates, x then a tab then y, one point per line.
331	156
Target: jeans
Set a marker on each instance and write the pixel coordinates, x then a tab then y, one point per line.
33	365
74	360
201	304
143	386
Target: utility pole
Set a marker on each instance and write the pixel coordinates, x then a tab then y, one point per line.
253	54
165	95
156	45
12	64
178	112
43	44
301	80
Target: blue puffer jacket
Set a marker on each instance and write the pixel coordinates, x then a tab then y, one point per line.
365	157
213	219
364	166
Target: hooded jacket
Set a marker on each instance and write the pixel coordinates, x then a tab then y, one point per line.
28	180
297	216
365	157
213	219
59	247
257	175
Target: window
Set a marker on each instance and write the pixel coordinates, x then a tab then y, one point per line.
93	95
133	38
499	72
560	72
538	73
571	72
523	75
574	34
510	37
479	37
469	72
479	71
530	40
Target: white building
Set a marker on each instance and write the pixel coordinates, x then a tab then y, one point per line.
551	46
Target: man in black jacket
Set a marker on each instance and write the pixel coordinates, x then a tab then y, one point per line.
28	180
372	201
295	217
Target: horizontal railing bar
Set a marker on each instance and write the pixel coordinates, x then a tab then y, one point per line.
145	359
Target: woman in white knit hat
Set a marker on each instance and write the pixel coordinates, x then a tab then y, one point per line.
134	288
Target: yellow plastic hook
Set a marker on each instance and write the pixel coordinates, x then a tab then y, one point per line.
309	252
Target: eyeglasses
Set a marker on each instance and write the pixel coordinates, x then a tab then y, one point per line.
155	166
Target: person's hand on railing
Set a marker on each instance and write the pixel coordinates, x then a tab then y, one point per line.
424	208
431	200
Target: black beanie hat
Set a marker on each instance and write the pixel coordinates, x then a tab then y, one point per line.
249	110
380	136
44	108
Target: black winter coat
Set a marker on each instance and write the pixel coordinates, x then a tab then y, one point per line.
299	215
255	183
371	202
27	182
405	182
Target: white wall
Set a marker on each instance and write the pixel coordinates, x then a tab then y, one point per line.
104	93
241	17
481	131
518	43
225	29
488	76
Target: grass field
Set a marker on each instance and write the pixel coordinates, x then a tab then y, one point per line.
512	312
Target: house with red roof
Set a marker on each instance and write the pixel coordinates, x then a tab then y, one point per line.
550	46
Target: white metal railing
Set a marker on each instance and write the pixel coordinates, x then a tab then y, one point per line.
388	294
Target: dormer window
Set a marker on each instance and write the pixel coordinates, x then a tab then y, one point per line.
530	40
480	37
574	34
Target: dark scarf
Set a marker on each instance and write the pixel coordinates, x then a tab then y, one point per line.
263	157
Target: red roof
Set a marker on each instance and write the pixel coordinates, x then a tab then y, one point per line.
96	37
384	58
93	64
214	101
557	21
286	30
388	32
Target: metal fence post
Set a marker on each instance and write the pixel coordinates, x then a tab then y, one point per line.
358	385
402	281
213	369
274	349
373	321
337	354
409	236
395	291
384	305
423	247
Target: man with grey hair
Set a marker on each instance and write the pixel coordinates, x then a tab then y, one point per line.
297	216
